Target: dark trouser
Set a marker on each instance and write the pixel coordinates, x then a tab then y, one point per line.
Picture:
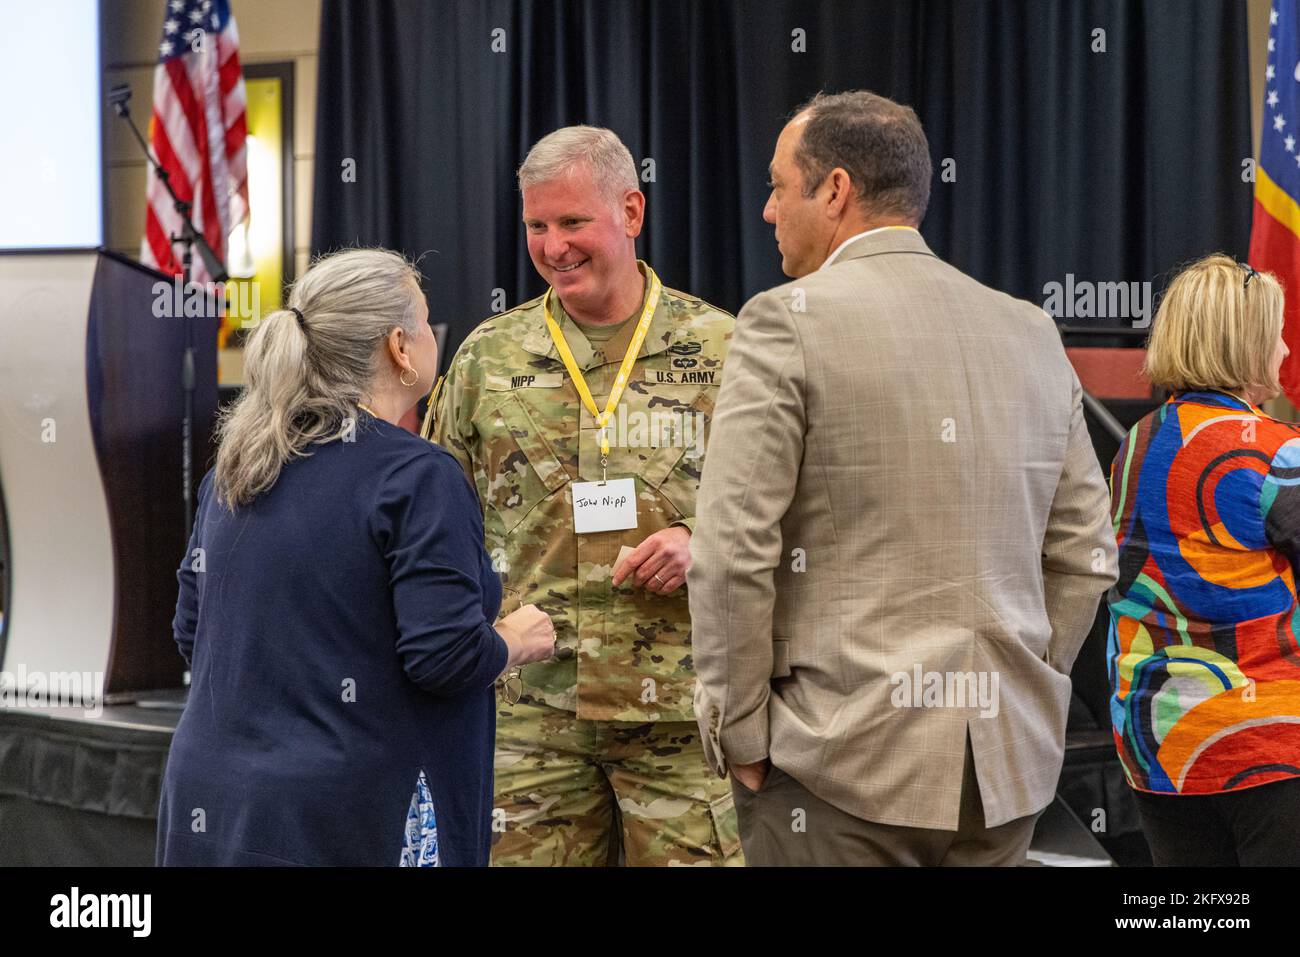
785	824
1255	827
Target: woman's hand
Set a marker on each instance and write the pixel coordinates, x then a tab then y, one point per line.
529	635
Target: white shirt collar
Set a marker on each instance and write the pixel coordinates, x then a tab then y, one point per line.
853	239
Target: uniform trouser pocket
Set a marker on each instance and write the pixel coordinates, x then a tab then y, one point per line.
726	828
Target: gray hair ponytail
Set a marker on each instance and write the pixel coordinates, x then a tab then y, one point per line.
304	379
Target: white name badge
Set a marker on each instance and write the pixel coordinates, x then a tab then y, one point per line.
604	507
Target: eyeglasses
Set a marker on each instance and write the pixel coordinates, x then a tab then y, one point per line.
1250	274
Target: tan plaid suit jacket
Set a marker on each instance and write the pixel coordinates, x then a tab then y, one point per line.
899	485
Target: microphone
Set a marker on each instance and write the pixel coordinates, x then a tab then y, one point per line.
118	97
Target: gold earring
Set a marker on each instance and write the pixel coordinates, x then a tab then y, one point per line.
402	378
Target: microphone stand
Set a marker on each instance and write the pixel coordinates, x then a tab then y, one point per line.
189	240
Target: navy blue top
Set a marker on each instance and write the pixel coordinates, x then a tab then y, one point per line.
340	640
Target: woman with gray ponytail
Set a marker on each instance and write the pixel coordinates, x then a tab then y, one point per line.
337	605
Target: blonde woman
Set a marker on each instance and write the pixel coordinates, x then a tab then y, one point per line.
336	603
1204	658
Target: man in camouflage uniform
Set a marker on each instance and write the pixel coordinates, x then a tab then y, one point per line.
610	717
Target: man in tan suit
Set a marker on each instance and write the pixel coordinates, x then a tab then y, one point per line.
902	530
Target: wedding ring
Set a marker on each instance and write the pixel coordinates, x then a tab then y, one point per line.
660	580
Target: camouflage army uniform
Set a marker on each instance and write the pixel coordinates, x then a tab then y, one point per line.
613	709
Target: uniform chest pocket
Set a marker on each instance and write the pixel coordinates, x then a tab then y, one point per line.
687	412
522	469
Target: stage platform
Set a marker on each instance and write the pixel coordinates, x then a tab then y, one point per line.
82	789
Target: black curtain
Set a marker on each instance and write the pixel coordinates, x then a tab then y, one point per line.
1111	165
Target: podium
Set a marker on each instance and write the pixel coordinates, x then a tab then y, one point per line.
91	465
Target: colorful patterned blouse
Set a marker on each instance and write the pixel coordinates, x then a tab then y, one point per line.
1204	661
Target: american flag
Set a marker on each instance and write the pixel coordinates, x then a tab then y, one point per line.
197	131
1275	227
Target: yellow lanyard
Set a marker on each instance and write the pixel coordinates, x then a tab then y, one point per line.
620	383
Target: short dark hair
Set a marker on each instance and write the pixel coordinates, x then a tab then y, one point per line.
878	142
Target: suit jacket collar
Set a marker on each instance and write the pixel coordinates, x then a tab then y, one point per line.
881	243
538	338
